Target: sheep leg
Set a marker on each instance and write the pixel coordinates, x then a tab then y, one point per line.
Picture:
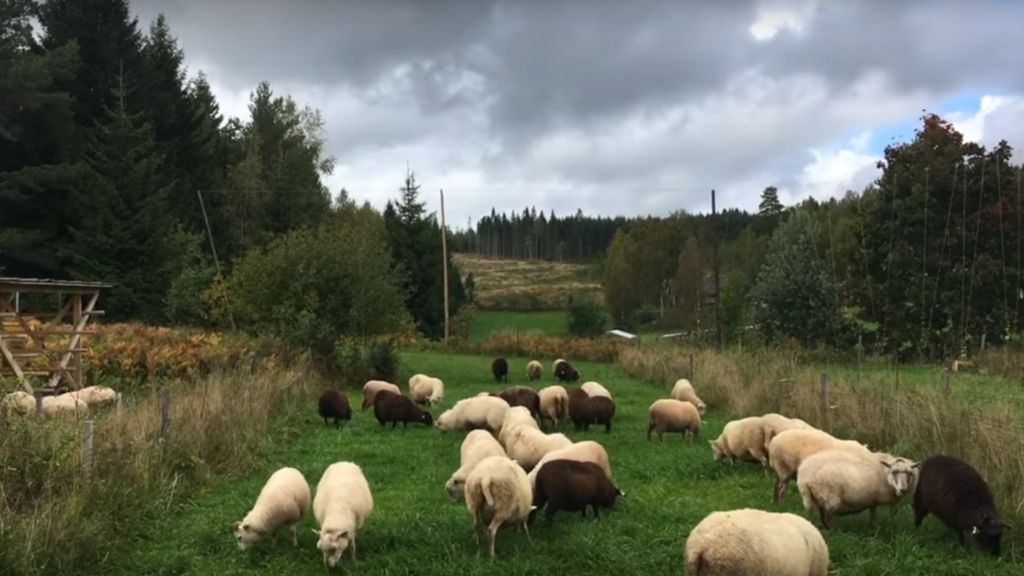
526	529
493	529
325	421
919	516
294	529
608	426
649	428
353	549
826	518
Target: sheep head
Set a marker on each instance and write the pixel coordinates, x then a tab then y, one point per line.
901	474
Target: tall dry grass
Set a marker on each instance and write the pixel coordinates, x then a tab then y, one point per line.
56	519
901	418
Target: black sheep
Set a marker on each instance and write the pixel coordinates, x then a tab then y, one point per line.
565	372
521	396
395	408
586	410
334	404
571	485
499	368
956	493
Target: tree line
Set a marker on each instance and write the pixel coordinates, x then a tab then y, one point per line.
533	235
107	142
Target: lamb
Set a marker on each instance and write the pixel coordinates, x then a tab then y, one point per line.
98	396
554	404
593	389
673	416
522	396
591	410
477	445
334	404
565	372
499	369
534	370
515	416
837	482
395	408
66	403
571	485
372	387
753	543
789	449
426	390
498	494
471	413
683	390
20	402
342	504
586	451
528	445
283	501
955	493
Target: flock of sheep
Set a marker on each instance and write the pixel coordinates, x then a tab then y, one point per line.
510	469
76	402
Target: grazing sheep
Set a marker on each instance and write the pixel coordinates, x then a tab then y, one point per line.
471	413
591	410
789	449
955	493
342	504
755	543
554	404
593	389
334	404
534	370
522	396
372	387
839	482
97	396
773	424
283	501
477	445
571	485
498	494
515	416
20	402
673	416
426	390
741	440
395	408
528	445
499	369
554	365
66	403
683	390
565	372
586	451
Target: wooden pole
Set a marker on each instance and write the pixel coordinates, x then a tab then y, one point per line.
444	267
76	318
691	367
945	381
213	250
165	413
824	392
87	428
718	285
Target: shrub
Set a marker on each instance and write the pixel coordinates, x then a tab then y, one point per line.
587	318
357	360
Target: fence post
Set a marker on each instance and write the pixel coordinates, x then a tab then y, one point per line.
87	427
983	335
39	403
691	367
946	376
824	392
165	412
860	354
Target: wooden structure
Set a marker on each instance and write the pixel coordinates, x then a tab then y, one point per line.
45	343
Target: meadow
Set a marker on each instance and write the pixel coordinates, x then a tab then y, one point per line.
486	323
528	285
416	529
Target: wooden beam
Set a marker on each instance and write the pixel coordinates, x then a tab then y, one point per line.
79	327
17	316
10	360
76	318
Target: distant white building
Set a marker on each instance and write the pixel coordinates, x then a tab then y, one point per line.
621	334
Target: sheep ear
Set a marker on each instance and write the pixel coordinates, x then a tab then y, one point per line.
974	531
315	531
887	464
236	525
532	508
915	465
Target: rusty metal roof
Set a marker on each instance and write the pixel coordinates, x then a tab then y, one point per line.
10	284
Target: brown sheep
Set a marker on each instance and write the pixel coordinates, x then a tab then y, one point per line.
499	368
521	396
591	410
956	493
565	372
395	408
334	404
571	485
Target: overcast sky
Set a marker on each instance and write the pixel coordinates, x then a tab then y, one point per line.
613	107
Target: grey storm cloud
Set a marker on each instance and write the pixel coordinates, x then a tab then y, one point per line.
631	107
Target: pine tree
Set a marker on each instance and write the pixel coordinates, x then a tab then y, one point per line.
770	205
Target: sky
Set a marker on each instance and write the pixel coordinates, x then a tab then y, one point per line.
615	108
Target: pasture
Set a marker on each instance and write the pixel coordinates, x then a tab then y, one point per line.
416	529
488	322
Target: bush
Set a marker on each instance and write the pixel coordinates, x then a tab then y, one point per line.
357	360
587	318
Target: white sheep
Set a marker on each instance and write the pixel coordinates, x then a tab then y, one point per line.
594	389
790	448
425	389
741	440
515	417
528	445
498	494
97	396
754	542
840	482
554	404
477	445
683	390
774	424
66	403
283	501
476	412
372	387
20	402
342	504
668	415
534	370
586	451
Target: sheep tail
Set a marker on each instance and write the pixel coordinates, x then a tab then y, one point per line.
560	407
694	566
486	488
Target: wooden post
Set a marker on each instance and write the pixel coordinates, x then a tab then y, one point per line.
165	412
213	249
983	335
691	367
718	284
444	266
87	428
946	377
76	319
860	354
824	392
39	403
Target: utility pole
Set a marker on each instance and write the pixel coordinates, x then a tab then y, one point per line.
718	284
444	266
213	249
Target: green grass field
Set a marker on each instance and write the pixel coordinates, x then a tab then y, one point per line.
487	322
416	529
